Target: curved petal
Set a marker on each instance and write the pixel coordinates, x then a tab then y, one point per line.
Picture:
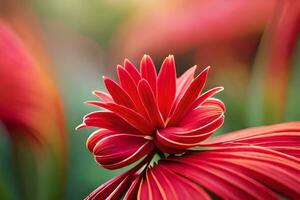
288	129
184	81
119	150
103	96
129	115
242	172
189	97
178	138
203	97
95	137
213	102
197	126
108	120
224	183
201	116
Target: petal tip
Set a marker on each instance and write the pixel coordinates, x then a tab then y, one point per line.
80	126
119	66
220	88
207	68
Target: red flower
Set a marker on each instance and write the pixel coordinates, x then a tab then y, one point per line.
146	111
148	115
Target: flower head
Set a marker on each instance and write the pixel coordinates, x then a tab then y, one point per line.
145	112
148	115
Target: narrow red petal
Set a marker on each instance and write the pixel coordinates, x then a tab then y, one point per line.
118	94
226	184
108	120
129	115
203	97
133	189
182	187
257	131
129	85
103	96
114	188
149	102
189	97
165	183
148	72
132	70
144	191
166	86
183	82
150	188
277	171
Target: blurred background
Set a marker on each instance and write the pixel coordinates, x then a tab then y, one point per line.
53	54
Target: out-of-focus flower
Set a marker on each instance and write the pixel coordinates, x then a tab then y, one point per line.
30	110
182	27
167	120
22	93
273	66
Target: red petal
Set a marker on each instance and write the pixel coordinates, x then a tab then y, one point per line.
130	116
166	86
293	127
225	183
96	137
150	104
119	150
275	170
201	116
108	120
131	69
213	102
112	189
118	94
203	97
133	189
183	82
150	188
181	138
130	87
189	97
169	185
103	96
148	72
195	127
